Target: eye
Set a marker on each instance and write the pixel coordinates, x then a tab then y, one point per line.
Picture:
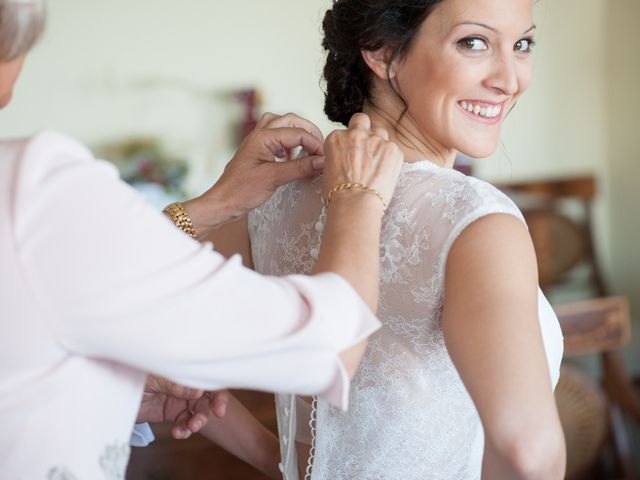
524	45
472	44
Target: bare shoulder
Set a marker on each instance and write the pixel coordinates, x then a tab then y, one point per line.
491	237
493	261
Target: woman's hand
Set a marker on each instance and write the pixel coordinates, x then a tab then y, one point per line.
253	175
351	238
362	155
189	409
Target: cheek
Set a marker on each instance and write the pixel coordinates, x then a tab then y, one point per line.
525	74
9	73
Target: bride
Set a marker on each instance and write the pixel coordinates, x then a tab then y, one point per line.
458	384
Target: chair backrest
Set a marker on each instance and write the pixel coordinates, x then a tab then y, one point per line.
558	213
594	326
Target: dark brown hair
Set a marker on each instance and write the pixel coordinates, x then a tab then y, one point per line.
354	25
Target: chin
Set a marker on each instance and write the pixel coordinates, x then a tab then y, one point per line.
478	149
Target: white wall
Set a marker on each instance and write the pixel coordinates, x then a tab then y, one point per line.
112	69
559	125
107	69
623	65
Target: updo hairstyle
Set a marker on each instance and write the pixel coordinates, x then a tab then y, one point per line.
21	24
354	25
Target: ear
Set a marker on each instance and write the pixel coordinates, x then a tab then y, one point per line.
379	62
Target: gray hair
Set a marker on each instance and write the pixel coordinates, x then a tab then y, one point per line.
21	24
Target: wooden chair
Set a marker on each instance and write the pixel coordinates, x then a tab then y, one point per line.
592	414
559	215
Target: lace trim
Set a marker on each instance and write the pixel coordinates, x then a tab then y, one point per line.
312	427
319	227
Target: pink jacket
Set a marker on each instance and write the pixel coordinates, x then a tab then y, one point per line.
97	288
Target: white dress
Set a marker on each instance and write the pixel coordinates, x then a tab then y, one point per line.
410	416
97	288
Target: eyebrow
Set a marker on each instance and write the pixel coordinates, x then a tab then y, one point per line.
533	27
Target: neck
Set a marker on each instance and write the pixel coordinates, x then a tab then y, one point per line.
415	144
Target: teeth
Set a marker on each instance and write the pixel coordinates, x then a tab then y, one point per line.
487	112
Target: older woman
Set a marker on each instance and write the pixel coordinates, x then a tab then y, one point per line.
98	288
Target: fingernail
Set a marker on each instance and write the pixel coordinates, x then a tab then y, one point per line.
318	163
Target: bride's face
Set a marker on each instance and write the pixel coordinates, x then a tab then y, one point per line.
467	66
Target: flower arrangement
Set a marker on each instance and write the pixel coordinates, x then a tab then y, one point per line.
143	160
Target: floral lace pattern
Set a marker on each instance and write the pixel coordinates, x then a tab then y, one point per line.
113	463
60	473
410	416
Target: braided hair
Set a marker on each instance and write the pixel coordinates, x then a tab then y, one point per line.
354	25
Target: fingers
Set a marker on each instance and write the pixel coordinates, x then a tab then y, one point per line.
195	414
360	120
192	418
165	386
380	132
362	154
265	119
185	393
181	431
291	170
219	402
200	414
363	122
290	120
280	140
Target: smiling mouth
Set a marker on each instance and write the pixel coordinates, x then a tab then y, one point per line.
482	110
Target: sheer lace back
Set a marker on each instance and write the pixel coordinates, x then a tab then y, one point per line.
410	416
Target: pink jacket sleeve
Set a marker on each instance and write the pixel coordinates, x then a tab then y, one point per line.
124	284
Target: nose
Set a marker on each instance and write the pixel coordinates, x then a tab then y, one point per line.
504	74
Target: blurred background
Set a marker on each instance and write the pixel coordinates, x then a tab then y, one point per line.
166	89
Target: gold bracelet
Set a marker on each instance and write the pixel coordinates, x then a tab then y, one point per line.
180	217
349	185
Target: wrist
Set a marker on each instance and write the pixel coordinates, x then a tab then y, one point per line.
354	186
208	212
363	201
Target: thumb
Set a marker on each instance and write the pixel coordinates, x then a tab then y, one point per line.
291	170
184	393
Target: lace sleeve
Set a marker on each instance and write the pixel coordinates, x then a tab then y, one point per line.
476	199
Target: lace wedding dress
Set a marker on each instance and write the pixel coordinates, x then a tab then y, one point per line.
410	416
